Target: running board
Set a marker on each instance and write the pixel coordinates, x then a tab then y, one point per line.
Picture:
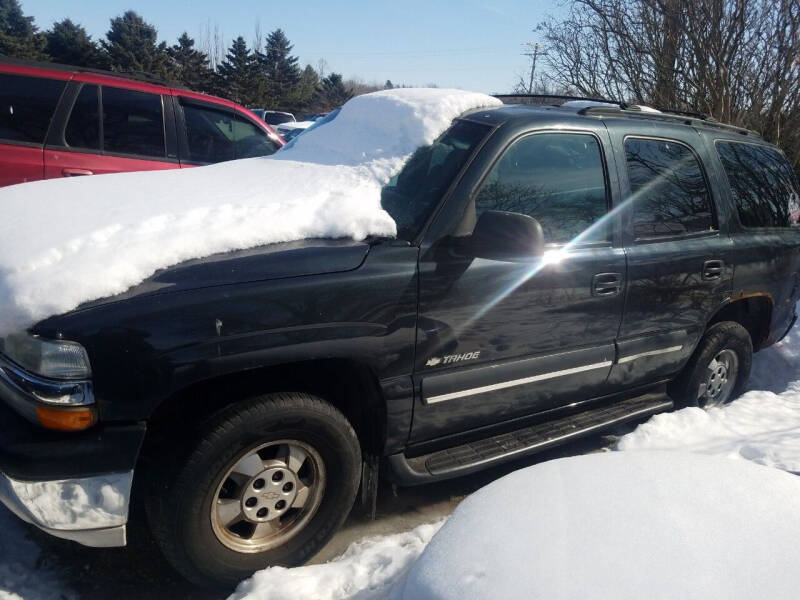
474	456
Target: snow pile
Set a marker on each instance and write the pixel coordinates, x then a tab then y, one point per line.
620	525
368	570
22	576
67	241
761	426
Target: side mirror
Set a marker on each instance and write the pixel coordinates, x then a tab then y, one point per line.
502	235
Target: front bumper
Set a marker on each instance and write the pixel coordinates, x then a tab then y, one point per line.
92	511
73	485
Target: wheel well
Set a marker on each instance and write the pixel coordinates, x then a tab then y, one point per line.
349	386
753	313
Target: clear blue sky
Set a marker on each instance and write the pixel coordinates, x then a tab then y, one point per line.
470	44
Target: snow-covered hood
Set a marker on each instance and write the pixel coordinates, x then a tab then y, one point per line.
275	261
69	241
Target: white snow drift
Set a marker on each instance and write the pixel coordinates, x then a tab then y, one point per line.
622	525
368	570
762	426
64	242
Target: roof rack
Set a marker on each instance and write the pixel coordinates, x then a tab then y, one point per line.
134	75
556	97
633	110
675	116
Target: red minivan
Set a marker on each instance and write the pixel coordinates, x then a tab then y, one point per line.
60	121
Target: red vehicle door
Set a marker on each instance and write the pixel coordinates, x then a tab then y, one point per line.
109	130
27	105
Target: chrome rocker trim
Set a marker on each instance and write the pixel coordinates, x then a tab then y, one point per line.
631	357
516	382
92	511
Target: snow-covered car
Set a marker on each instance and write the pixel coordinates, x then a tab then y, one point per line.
431	283
291	130
619	525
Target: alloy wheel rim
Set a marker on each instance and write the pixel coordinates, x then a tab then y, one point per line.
267	495
720	379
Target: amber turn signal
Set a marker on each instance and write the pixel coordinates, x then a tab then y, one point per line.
65	419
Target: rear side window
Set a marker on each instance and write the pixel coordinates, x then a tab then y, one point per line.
133	123
209	134
26	107
669	194
556	178
762	183
83	127
251	140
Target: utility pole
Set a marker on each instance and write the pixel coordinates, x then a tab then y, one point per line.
534	50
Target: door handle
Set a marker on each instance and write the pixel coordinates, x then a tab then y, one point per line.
75	172
712	269
606	284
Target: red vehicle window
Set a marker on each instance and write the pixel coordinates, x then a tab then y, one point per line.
133	123
83	127
209	134
26	107
250	140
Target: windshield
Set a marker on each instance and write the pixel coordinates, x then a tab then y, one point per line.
411	196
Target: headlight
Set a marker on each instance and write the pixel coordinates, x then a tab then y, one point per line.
49	358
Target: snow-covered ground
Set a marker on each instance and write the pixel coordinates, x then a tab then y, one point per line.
763	426
68	241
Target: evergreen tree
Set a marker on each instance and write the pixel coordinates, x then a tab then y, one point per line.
282	71
68	43
332	92
240	76
191	66
132	46
388	85
309	81
19	37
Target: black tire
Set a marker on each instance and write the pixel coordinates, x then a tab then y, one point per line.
181	497
720	337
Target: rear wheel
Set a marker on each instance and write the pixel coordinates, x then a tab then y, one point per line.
268	482
718	370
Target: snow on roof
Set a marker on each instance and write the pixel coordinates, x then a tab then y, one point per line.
622	525
67	241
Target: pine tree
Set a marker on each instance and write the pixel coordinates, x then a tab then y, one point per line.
309	81
388	85
240	76
332	92
281	70
68	43
132	46
191	66
19	37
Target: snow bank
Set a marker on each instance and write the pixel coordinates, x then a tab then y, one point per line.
623	526
368	570
67	241
762	426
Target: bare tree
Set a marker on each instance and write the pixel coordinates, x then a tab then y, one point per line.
211	44
735	60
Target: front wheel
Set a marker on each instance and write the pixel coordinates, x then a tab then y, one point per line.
269	481
718	370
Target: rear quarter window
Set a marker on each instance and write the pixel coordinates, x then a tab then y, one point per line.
26	106
762	183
